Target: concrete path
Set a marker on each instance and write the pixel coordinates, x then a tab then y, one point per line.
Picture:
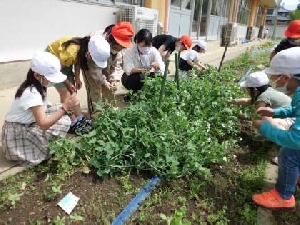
212	56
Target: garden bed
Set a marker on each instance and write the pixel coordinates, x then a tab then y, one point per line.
209	161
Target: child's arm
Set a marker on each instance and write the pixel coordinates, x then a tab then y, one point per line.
284	112
199	64
78	82
285	138
241	101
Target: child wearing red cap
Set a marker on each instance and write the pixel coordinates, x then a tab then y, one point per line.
166	44
189	60
292	39
119	37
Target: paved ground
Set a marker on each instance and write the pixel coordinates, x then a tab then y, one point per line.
212	56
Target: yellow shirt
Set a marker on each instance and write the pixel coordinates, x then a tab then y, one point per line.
66	56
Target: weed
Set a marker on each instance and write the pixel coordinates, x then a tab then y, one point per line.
178	218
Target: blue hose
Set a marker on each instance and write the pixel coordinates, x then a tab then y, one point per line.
136	202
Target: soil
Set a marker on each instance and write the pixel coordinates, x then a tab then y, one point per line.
102	200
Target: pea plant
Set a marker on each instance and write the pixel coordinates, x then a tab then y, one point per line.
174	138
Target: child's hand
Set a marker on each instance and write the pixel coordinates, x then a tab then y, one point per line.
71	101
256	124
71	88
155	65
78	83
265	111
107	85
232	102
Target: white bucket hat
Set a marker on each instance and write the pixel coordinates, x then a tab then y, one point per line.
99	50
256	79
201	44
285	62
47	65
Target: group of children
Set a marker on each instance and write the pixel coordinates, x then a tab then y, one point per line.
280	115
106	59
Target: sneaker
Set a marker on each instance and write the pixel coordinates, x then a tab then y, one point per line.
82	126
126	98
273	200
274	161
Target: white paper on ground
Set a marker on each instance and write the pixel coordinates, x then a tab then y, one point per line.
68	202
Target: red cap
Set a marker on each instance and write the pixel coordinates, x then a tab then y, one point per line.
293	30
122	33
186	41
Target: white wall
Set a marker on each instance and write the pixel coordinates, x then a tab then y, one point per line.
27	26
279	30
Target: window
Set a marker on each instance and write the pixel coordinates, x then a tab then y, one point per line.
131	2
244	12
183	4
220	8
259	16
175	3
270	11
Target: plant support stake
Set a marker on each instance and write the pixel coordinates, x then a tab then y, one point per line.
177	57
163	84
223	56
135	203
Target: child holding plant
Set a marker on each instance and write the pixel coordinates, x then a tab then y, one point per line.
189	60
29	123
140	59
282	197
82	53
262	95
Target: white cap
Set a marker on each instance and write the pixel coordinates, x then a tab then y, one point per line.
285	62
256	79
201	44
47	65
99	50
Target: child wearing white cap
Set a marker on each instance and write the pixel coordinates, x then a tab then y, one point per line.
261	95
189	60
279	71
82	53
29	125
282	197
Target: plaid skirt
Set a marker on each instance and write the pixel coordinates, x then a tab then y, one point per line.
28	143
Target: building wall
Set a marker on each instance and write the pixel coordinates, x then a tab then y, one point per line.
160	6
28	26
279	30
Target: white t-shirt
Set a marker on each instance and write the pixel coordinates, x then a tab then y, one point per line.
132	59
19	111
191	55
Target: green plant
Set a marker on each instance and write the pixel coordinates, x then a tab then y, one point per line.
76	217
126	185
13	198
219	218
178	218
59	221
248	214
51	193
